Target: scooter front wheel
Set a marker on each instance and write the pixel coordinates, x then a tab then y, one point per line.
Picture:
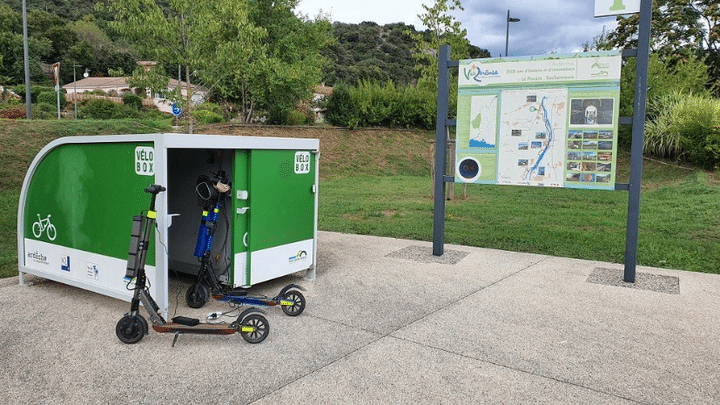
197	295
131	329
298	303
254	328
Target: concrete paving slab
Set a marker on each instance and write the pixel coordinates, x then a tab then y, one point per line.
548	320
396	371
380	326
59	347
362	287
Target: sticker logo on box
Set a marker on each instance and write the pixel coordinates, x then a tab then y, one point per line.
92	270
38	257
145	161
301	255
44	225
302	162
65	263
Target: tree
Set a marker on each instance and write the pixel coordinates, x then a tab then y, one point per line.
11	49
679	28
368	51
62	37
87	30
194	34
293	63
39	21
443	30
65	9
280	67
676	25
10	20
81	53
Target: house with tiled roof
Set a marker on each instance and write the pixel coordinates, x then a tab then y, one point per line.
117	86
320	92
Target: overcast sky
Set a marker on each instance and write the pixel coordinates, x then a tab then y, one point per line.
545	25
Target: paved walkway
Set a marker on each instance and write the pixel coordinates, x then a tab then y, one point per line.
389	323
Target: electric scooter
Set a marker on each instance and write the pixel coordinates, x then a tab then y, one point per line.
131	328
212	193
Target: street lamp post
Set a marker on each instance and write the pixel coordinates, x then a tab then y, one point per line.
75	90
26	59
86	74
507	32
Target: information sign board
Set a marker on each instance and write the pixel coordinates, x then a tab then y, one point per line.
539	121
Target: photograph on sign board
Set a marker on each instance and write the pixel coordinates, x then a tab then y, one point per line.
591	111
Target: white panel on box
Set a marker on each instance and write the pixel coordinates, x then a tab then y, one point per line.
94	272
240	269
279	261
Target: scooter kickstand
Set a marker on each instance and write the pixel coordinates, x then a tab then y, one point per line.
177	335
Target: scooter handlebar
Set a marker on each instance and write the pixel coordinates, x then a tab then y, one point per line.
155	189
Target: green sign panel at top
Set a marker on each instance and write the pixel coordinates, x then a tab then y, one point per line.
616	7
539	121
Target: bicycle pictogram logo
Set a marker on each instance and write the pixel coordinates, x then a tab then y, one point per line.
44	225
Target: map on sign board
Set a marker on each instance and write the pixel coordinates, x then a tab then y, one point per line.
535	120
539	121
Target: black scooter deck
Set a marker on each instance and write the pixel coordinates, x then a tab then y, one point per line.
200	329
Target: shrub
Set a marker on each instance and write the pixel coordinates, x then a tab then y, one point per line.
34	91
124	111
18	111
44	111
98	109
414	108
303	114
371	104
296	117
686	127
212	107
46	98
210	113
207	117
277	115
684	75
153	113
131	100
341	110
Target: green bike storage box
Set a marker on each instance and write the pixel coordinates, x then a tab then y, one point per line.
80	194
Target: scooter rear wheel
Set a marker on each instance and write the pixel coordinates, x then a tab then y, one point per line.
131	329
260	327
197	295
298	303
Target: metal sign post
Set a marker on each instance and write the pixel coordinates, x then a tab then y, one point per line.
441	150
636	148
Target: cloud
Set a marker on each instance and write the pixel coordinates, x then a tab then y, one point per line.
544	27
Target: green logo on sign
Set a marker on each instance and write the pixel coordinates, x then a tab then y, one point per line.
618	5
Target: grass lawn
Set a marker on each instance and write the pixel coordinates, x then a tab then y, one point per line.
679	225
378	182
